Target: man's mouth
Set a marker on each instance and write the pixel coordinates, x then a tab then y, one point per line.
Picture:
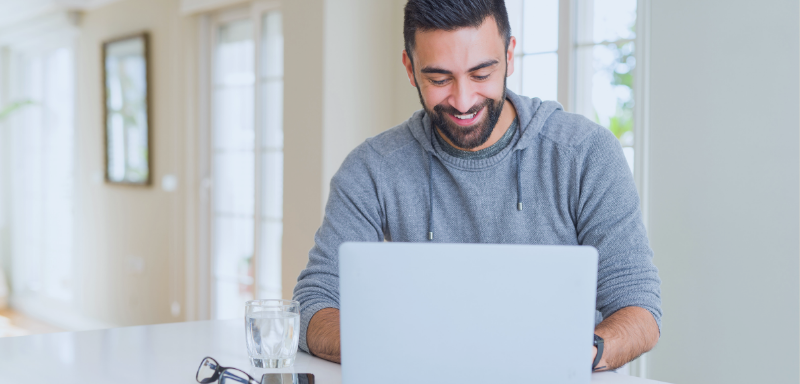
467	118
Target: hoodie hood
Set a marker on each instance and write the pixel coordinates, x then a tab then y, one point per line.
531	112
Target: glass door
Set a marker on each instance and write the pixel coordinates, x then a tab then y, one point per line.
246	160
233	168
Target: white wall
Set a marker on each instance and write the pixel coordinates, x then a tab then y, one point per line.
725	183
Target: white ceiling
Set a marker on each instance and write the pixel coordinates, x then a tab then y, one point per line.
15	11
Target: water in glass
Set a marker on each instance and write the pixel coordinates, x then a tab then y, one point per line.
272	337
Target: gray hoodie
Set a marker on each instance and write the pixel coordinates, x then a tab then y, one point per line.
564	181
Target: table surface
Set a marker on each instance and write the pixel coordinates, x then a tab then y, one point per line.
163	353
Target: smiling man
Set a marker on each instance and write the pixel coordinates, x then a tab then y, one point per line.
479	164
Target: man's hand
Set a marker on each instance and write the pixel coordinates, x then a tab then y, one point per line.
626	334
322	335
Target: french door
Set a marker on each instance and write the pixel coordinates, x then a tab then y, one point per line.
245	158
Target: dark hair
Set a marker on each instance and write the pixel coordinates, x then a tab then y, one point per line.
449	15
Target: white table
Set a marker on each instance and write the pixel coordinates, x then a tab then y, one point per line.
164	353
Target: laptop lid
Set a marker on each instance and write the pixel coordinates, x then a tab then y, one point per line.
466	313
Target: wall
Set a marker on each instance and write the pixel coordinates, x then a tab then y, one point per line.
120	229
357	78
353	49
302	127
405	97
724	182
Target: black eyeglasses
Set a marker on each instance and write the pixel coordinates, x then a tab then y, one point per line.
210	371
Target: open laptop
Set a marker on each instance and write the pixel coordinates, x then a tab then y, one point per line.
466	313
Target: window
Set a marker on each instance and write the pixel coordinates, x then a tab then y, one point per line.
599	59
534	23
605	63
583	54
246	159
42	173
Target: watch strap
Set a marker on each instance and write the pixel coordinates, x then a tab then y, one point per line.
598	342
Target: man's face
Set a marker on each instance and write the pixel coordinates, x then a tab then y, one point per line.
460	76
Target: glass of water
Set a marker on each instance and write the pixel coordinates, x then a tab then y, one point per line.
272	331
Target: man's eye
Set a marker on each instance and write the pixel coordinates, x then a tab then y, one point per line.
481	77
438	82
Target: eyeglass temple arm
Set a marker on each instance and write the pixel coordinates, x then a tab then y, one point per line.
249	380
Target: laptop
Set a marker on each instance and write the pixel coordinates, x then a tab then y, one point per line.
466	313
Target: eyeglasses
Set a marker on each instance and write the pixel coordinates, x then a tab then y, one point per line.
210	371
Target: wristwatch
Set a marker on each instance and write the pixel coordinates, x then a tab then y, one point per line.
598	342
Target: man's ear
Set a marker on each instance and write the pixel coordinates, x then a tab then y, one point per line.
512	43
409	68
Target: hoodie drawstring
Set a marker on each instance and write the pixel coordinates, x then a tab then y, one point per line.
519	170
430	196
517	154
519	183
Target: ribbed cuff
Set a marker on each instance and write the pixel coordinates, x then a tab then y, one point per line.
305	317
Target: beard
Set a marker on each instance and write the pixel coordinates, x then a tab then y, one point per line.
470	136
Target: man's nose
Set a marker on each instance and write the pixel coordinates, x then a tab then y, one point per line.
464	96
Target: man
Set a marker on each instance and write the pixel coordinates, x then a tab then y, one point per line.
479	164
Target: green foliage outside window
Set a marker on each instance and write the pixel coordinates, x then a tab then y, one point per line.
621	70
6	111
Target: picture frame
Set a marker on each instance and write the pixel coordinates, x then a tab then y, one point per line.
126	110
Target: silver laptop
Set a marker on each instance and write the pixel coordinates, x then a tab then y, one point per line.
466	313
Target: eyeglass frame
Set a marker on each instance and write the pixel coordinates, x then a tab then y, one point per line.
219	371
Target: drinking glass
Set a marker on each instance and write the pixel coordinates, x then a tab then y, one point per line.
272	332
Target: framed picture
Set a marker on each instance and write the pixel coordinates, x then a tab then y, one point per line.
126	107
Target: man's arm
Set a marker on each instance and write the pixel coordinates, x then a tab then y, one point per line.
608	218
353	213
626	334
323	335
